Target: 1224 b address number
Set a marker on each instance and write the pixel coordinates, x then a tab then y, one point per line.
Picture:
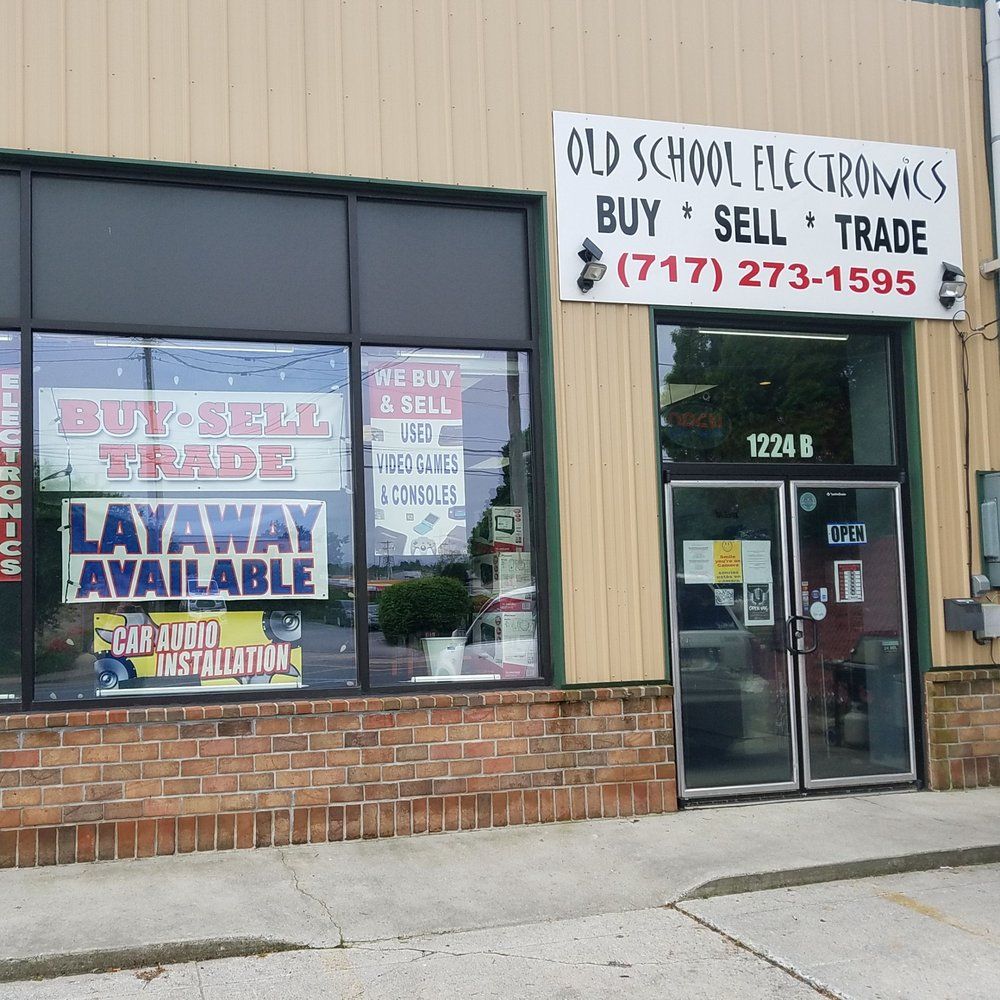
780	445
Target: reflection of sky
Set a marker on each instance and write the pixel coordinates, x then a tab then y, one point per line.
121	364
10	350
485	417
751	344
86	361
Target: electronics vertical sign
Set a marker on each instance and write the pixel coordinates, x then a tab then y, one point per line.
10	475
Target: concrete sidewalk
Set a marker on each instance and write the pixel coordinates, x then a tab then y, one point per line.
926	934
129	913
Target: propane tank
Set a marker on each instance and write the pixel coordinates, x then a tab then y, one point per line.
855	724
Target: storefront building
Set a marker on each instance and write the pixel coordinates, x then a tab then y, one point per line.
437	416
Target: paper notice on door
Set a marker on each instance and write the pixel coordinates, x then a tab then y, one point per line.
758	603
757	562
728	563
850	581
698	566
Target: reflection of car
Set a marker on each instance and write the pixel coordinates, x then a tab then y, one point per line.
372	617
343	613
712	636
205	606
502	637
722	693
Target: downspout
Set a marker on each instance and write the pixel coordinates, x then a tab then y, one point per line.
991	39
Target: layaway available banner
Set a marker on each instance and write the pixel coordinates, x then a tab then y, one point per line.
219	549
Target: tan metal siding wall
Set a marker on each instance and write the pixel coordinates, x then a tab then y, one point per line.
461	92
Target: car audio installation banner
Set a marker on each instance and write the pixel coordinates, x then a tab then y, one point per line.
10	475
93	440
134	650
726	218
417	458
221	549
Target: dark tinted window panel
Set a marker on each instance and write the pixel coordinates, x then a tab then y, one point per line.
774	396
10	230
443	271
157	254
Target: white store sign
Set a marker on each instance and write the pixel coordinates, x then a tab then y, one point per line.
693	215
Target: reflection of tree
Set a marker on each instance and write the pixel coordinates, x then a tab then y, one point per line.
505	495
335	553
501	495
807	391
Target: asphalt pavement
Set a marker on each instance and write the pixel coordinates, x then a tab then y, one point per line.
713	903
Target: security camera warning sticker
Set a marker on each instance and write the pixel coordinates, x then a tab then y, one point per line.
417	459
217	550
135	650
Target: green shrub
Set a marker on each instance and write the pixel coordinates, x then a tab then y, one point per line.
432	605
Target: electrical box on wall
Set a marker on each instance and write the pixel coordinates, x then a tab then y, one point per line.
962	614
966	615
989	524
991	622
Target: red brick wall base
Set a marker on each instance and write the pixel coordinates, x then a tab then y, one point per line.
126	783
963	728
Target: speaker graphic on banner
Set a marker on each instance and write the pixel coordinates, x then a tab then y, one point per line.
417	458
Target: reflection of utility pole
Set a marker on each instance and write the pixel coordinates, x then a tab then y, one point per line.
147	368
386	554
515	451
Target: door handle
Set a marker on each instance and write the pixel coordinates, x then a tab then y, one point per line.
795	632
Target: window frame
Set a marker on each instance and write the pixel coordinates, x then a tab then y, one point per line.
530	204
886	330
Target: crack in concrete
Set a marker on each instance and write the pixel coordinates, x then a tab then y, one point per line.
821	988
490	953
299	888
586	914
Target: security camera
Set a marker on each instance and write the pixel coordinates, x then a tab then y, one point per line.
591	251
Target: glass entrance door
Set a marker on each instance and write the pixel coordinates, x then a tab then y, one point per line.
854	683
733	670
788	673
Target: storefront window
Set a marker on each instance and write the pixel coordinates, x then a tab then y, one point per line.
11	502
193	520
10	244
773	396
450	527
201	368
